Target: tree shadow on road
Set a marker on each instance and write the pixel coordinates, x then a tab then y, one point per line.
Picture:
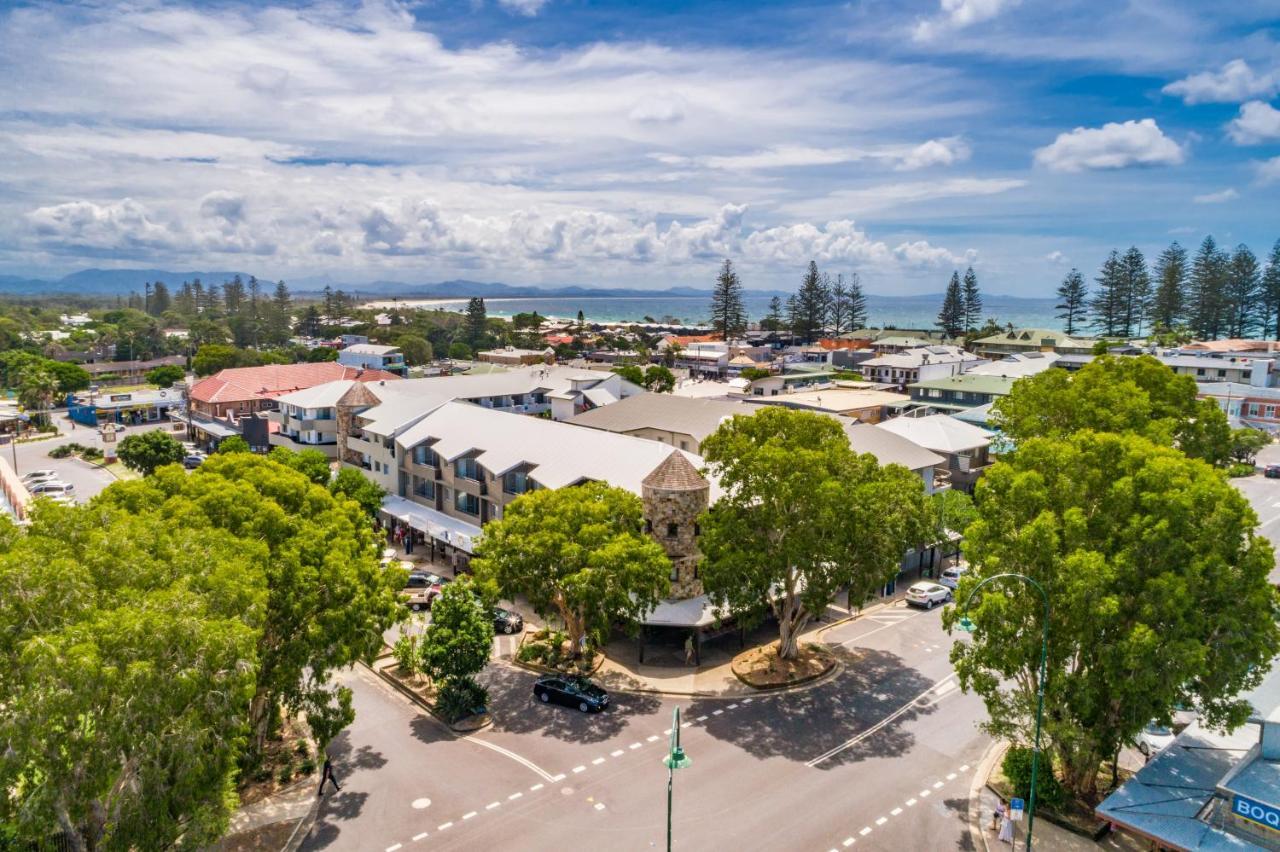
338	807
807	724
346	759
514	709
959	808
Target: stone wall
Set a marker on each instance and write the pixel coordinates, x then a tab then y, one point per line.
677	510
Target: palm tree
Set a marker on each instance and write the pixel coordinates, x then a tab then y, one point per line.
36	390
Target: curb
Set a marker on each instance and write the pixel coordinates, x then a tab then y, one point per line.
803	682
994	753
417	699
303	829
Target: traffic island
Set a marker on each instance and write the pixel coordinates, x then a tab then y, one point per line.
422	692
762	668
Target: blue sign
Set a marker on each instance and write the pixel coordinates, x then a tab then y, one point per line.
1256	812
1016	807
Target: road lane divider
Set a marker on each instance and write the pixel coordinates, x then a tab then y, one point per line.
887	720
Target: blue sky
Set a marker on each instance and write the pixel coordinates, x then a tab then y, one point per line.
635	144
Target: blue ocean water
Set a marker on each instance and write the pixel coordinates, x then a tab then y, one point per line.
899	311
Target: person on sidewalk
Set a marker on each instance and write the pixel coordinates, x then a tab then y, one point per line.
688	650
997	814
327	775
1006	829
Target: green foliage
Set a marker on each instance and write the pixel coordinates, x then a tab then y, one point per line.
460	637
951	318
1246	442
459	351
212	357
70	377
169	374
1116	394
659	379
147	451
631	373
804	515
1158	587
233	444
353	485
1016	767
313	464
951	510
417	349
579	553
728	313
407	655
321	354
1240	469
753	373
37	388
459	697
61	452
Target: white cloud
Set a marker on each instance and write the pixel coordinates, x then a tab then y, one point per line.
1257	122
935	152
1115	145
1233	83
881	197
1268	170
1056	257
528	8
1228	194
654	109
125	225
958	14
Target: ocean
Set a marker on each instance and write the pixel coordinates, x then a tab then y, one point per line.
897	311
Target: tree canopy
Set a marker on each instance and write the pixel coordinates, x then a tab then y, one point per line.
149	450
166	375
802	516
1158	587
459	639
353	485
578	553
1117	394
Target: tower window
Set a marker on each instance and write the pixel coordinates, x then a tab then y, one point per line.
673	530
648	525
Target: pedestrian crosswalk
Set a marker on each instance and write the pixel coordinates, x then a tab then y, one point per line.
890	616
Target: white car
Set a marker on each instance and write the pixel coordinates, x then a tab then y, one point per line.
39	475
1154	739
53	488
951	576
928	595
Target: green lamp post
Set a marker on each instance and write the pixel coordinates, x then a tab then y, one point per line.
968	626
676	759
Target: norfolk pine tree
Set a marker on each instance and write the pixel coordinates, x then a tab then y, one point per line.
1207	304
857	303
972	301
951	318
802	516
1137	292
1270	297
1107	304
728	315
1244	285
1072	296
1168	308
810	305
1158	586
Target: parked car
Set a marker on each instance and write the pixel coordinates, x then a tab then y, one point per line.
37	475
928	595
60	499
193	461
571	691
507	621
1271	471
1154	739
52	488
951	576
421	589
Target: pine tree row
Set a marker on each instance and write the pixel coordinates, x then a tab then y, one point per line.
822	306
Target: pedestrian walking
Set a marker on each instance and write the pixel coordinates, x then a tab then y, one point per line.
1006	829
326	775
998	814
688	650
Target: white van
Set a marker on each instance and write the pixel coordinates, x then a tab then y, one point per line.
53	489
951	576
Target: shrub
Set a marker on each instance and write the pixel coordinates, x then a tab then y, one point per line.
91	453
459	697
531	652
60	452
307	767
1017	768
285	775
301	749
1241	470
407	655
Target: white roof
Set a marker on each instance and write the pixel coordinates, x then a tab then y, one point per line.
889	447
319	396
1017	366
559	454
370	349
913	358
938	432
437	524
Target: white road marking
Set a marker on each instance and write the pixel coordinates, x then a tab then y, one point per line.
555	778
444	826
685	724
419	804
667	732
951	776
964	768
937	784
599	806
700	719
492	805
597	761
635	745
535	788
514	796
895	811
716	712
578	769
850	743
511	754
911	803
865	831
924	794
882	820
469	815
747	700
394	847
895	623
652	738
418	837
848	841
616	753
733	707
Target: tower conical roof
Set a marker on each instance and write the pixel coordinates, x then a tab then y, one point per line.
676	473
358	394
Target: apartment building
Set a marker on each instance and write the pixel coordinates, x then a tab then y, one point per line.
371	356
919	364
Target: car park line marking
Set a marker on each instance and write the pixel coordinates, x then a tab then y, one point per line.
848	841
578	769
865	831
747	700
469	815
964	768
924	794
597	761
535	788
616	753
418	837
716	712
599	806
635	745
492	805
937	784
559	777
394	847
514	796
911	803
850	743
652	738
882	820
685	724
951	777
895	811
444	826
733	707
884	627
700	719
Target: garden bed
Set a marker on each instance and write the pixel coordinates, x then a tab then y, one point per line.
289	756
1074	815
544	651
423	691
762	668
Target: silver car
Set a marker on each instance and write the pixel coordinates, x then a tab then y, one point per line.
928	595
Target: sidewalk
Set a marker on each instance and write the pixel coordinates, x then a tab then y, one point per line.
274	823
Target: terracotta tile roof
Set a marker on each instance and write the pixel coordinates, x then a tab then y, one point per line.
238	384
676	473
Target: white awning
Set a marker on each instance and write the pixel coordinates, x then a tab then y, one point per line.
690	612
438	525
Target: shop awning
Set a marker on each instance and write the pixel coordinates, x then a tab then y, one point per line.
438	525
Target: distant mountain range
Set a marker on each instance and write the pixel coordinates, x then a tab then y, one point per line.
121	282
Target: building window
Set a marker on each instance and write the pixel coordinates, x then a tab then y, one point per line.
648	525
675	572
468	503
424	455
1253	409
425	488
1222	374
515	482
467	469
1269	412
673	530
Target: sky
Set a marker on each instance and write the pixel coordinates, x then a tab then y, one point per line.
635	144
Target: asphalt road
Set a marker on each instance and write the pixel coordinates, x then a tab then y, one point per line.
881	756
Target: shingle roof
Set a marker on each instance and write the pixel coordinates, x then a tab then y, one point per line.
237	384
675	473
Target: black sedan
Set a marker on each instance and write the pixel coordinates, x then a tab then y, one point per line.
571	691
507	621
1271	471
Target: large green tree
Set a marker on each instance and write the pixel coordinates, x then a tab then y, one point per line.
37	389
459	640
1158	589
809	310
1269	299
579	553
728	313
166	375
1243	289
972	301
801	516
354	485
1117	394
1072	297
146	451
1168	308
1206	303
951	317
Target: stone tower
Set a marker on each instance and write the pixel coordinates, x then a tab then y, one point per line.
357	398
674	495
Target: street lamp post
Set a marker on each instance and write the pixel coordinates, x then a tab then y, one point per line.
968	626
676	759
